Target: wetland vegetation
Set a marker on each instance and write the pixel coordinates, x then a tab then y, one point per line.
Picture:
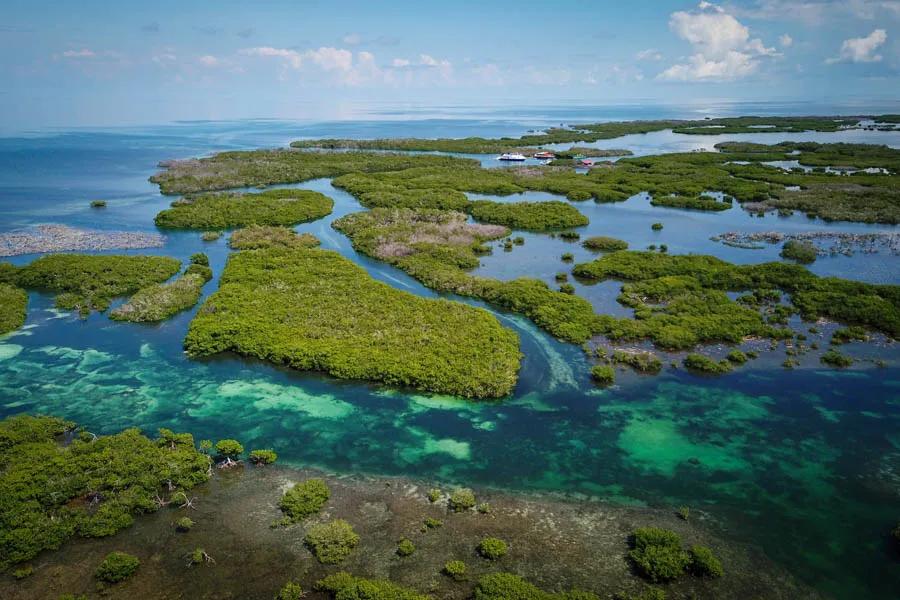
226	210
590	132
87	282
313	309
159	301
89	486
13	305
437	247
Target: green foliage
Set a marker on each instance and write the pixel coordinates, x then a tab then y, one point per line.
229	448
233	209
331	542
343	586
684	513
211	236
801	251
160	301
567	257
567	288
604	243
387	234
533	216
313	309
698	309
590	132
23	572
699	202
434	495
845	335
228	170
645	362
263	457
304	499
205	273
89	487
657	554
462	499
199	258
737	357
484	508
432	523
184	524
506	586
13	303
834	358
704	364
492	548
704	563
603	374
405	548
117	566
290	591
90	281
265	236
455	569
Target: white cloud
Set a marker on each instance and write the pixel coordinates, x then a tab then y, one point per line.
723	48
330	59
208	61
861	50
649	54
291	57
786	41
352	39
83	53
348	68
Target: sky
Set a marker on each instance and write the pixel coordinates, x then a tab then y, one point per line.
108	63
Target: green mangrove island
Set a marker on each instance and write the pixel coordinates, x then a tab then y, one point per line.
315	310
593	132
229	210
756	176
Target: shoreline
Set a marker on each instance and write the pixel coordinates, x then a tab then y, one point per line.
555	543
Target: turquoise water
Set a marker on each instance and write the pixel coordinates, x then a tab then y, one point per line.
804	463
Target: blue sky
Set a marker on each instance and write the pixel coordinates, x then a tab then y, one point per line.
105	63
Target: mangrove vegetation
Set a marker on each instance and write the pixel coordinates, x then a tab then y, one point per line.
312	309
227	210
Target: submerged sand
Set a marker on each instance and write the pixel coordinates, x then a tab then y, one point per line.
555	543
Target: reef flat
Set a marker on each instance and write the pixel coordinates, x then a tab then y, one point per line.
546	539
313	309
62	238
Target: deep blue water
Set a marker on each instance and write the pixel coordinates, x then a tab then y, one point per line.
804	463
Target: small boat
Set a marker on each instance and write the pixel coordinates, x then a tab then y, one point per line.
586	162
544	155
511	156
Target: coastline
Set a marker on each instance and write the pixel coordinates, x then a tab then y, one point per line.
555	543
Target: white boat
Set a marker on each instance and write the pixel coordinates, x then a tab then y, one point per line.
512	156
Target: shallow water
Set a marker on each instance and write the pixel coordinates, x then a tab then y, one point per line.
805	463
